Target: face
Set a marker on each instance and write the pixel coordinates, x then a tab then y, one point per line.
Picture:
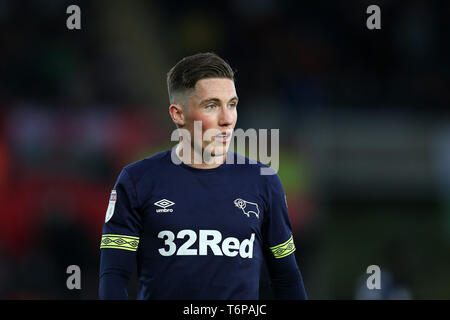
213	102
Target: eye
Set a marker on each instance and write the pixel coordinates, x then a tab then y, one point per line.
232	105
210	106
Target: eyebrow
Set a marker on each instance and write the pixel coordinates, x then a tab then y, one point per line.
217	100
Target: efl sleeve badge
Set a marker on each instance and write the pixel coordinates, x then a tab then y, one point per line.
111	206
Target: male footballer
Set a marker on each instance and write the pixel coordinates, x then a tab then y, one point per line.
198	229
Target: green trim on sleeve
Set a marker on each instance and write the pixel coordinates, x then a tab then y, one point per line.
117	241
284	249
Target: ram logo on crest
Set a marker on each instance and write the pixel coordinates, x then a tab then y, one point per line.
247	207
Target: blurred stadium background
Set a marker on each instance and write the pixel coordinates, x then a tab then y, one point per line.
363	118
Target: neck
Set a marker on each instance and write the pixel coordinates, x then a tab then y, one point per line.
195	159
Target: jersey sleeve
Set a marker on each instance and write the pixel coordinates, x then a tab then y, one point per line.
286	278
122	226
278	232
120	239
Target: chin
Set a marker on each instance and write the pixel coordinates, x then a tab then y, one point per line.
219	151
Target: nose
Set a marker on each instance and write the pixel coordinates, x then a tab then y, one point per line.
227	117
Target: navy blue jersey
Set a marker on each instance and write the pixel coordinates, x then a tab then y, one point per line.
197	233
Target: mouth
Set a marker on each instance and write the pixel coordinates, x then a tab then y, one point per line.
223	137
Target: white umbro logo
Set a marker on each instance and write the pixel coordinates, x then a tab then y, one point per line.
164	204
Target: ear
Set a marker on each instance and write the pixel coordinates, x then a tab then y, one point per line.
177	115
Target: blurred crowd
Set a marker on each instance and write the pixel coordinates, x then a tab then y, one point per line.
78	105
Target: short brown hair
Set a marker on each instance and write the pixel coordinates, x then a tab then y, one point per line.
185	74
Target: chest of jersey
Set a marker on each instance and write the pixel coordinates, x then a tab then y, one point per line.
204	217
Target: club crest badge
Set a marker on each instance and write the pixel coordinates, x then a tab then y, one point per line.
247	207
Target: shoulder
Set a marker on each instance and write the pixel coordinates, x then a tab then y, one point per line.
149	165
247	166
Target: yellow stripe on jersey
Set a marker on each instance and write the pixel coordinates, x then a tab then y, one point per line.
117	241
284	249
